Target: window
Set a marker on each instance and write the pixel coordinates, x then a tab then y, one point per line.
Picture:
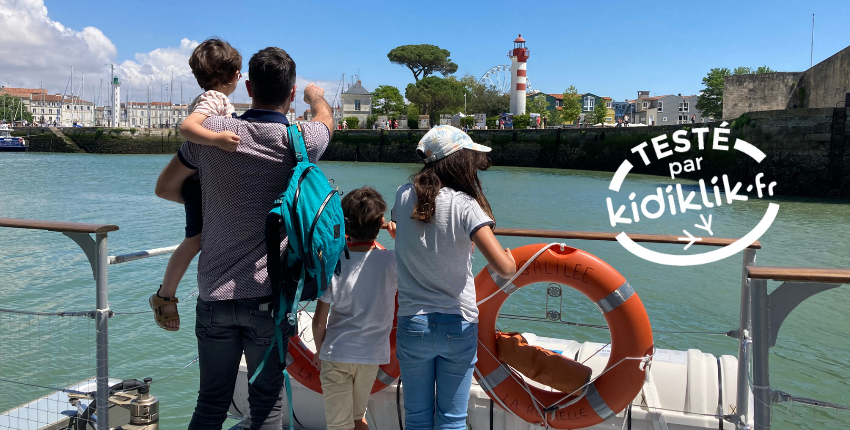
661	106
608	119
33	110
683	119
588	103
645	105
356	104
559	103
608	105
664	119
683	107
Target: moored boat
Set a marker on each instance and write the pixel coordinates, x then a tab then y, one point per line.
8	143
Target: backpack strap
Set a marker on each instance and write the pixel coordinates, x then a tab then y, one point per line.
296	144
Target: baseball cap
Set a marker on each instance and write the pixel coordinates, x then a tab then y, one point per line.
444	140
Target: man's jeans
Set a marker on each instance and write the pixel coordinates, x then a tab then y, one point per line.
436	349
224	329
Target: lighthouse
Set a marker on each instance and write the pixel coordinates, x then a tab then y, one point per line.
115	121
519	55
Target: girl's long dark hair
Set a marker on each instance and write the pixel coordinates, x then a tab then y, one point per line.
458	171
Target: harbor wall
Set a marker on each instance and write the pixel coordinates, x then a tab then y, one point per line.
807	150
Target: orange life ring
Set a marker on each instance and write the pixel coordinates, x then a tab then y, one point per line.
299	361
631	337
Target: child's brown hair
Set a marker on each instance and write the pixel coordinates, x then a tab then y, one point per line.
214	62
364	213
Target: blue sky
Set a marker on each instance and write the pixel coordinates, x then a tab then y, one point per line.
611	49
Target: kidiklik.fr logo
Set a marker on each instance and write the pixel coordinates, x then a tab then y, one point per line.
673	199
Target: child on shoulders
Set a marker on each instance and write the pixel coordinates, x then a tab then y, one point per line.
355	340
216	65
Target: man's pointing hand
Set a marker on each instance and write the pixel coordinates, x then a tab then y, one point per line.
313	93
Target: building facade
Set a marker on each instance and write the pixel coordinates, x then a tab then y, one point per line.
667	109
357	102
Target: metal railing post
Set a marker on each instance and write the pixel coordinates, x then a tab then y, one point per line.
761	354
102	325
745	329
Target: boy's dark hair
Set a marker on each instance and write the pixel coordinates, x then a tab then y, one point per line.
271	72
364	211
214	62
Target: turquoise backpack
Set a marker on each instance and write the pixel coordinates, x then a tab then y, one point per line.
310	213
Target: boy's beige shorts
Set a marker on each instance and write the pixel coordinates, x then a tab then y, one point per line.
346	388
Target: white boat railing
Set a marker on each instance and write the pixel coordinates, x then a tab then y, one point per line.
761	314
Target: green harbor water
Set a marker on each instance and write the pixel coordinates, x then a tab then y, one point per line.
46	272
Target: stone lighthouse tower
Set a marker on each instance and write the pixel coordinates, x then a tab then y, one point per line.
115	120
519	55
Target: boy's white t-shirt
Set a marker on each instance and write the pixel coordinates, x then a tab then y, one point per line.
361	318
435	258
212	103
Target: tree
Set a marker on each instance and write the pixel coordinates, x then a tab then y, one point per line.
423	60
352	121
387	100
11	109
435	94
571	106
600	112
710	100
538	104
482	98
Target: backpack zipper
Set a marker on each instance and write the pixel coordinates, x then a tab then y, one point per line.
316	219
293	212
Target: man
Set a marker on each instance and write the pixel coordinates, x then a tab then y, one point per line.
238	191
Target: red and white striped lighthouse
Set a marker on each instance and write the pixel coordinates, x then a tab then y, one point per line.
519	55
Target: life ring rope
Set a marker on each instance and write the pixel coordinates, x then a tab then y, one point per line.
505	285
587	390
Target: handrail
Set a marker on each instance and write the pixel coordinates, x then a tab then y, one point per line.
60	226
598	235
805	274
595	235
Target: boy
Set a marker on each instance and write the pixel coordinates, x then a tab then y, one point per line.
356	339
216	65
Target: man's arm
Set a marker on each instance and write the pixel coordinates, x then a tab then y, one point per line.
170	181
315	97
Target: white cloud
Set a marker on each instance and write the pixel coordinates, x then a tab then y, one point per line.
38	50
156	69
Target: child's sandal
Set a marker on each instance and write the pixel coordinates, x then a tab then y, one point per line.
159	316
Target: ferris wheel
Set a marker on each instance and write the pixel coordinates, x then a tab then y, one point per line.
499	77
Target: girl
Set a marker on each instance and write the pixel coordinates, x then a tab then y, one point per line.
437	219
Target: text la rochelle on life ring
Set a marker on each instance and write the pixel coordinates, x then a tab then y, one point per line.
688	202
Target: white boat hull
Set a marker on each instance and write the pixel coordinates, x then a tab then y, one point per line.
691	388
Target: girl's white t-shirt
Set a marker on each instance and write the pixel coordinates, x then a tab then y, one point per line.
434	259
363	297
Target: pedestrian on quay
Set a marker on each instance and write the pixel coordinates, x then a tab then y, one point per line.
626	120
443	208
233	314
693	118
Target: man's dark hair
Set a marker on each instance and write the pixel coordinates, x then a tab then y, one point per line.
214	62
364	211
271	72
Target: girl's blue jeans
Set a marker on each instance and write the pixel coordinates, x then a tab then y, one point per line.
437	354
